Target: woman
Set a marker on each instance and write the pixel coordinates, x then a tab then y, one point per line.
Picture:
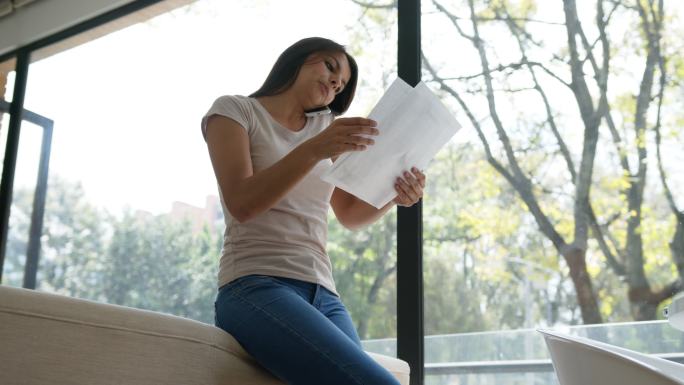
277	296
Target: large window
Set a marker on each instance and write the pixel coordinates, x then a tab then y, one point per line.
557	203
132	215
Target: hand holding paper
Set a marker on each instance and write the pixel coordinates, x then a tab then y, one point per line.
409	188
414	126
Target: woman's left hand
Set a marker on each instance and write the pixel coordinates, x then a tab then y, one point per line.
409	188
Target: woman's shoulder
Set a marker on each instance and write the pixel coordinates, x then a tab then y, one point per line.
235	103
233	99
236	107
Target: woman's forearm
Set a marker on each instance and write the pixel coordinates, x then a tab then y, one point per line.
264	189
360	213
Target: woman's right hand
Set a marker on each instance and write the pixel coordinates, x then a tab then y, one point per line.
343	135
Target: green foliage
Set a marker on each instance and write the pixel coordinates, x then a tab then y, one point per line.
138	260
72	241
473	216
157	263
364	264
520	9
677	63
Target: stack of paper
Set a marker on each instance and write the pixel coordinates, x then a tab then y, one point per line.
414	125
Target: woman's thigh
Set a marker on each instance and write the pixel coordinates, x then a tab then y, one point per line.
332	308
328	303
291	338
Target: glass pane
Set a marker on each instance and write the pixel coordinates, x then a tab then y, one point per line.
26	175
503	233
133	216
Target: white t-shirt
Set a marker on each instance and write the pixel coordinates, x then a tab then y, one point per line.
289	239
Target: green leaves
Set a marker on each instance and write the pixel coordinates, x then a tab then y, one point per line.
138	260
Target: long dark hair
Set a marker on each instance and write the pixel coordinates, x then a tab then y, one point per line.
286	69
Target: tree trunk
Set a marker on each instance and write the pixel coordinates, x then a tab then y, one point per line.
677	245
643	299
639	290
575	258
641	305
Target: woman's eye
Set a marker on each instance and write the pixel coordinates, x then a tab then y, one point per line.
328	65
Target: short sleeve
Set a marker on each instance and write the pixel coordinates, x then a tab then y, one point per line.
234	107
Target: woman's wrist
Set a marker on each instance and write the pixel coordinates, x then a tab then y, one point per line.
308	151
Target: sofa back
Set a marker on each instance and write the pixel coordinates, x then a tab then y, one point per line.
48	339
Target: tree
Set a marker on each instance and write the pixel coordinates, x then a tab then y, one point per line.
364	265
522	72
156	263
74	234
470	284
138	260
485	265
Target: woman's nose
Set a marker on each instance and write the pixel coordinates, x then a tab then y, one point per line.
334	83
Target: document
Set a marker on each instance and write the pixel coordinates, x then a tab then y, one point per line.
414	125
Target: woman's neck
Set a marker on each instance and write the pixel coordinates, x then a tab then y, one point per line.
285	110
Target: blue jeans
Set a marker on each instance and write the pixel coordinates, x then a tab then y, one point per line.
299	331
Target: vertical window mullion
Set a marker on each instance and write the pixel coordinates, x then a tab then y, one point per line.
10	161
410	331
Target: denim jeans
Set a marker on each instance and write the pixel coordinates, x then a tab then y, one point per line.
299	331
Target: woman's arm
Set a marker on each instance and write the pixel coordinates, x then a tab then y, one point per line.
353	213
248	194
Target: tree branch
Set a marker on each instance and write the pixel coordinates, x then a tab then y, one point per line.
523	19
547	105
591	124
476	124
666	292
613	262
364	4
598	231
523	184
658	138
453	19
677	243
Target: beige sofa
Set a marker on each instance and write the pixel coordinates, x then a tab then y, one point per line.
50	339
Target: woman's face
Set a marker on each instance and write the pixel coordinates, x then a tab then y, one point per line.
322	76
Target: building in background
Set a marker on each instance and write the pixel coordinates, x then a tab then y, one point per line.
208	215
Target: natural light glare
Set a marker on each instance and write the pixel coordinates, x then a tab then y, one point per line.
144	89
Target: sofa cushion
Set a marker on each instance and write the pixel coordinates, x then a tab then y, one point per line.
53	339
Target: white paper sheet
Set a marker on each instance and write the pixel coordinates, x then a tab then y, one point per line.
414	125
